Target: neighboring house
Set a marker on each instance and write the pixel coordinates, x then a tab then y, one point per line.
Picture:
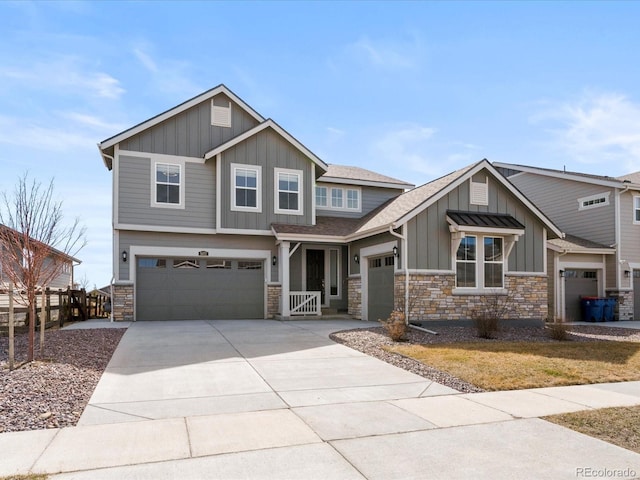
600	255
221	213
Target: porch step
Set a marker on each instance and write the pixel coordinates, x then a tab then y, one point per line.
329	311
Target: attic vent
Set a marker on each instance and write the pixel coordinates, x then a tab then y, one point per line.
221	115
479	193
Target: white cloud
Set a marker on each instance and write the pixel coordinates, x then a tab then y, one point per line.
597	128
145	60
388	54
409	146
26	133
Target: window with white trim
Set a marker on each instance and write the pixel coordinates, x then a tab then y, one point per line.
353	199
321	197
636	209
246	194
593	201
288	186
336	198
168	183
484	272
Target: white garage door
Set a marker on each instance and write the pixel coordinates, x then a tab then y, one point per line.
199	289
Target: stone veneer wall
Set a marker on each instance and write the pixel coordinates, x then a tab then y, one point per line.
274	292
122	303
354	287
624	305
432	298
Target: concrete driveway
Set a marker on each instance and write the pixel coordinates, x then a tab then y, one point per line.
279	400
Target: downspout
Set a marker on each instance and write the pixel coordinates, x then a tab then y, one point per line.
405	267
617	238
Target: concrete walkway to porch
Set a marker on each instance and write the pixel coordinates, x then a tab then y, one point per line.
277	400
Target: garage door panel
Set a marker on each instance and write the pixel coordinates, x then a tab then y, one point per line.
380	278
190	293
578	284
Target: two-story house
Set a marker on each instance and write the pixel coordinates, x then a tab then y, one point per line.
219	213
600	255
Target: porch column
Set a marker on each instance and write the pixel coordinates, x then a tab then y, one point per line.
283	273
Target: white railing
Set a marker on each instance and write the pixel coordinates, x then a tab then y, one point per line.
305	303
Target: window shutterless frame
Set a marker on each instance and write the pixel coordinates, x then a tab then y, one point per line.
246	188
288	188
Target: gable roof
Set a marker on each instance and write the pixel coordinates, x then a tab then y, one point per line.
399	210
269	123
603	180
360	176
54	251
573	244
161	117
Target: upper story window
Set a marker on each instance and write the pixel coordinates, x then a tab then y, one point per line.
338	198
220	113
593	201
636	209
321	197
246	194
484	272
168	182
288	191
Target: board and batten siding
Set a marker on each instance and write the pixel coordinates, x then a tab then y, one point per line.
194	241
269	150
190	133
356	246
429	239
629	235
136	175
371	198
558	200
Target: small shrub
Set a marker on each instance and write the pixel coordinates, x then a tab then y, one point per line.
487	326
491	310
395	326
557	331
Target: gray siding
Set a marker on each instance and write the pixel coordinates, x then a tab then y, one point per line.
558	199
270	151
629	234
372	198
134	195
356	246
197	242
190	133
429	240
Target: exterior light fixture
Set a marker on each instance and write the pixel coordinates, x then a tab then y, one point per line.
562	273
627	273
356	258
274	260
124	256
395	251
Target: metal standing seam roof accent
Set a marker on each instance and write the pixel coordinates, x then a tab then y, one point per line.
480	219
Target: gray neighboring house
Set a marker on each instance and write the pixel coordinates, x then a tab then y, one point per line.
600	255
219	213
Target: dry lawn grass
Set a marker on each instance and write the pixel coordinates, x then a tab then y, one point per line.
619	426
519	365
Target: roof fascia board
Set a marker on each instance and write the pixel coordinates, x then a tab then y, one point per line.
179	109
365	183
561	175
258	128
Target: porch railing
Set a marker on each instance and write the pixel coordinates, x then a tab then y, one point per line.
305	303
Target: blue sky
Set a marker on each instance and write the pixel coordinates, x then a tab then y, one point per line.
412	90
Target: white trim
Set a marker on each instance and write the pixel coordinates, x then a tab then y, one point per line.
115	251
585	250
277	171
618	236
313	196
480	264
597	196
233	167
116	184
327	271
161	157
165	229
563	175
525	274
366	183
345	191
422	271
241	231
297	237
580	265
634	208
488	230
365	253
177	110
257	129
143	250
544	250
154	184
218	191
457	291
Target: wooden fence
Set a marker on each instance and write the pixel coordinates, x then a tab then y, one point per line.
56	305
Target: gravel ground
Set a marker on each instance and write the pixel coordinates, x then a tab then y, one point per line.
53	390
372	341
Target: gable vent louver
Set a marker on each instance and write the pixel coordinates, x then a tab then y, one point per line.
221	115
479	193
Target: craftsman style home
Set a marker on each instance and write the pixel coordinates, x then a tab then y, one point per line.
219	213
600	254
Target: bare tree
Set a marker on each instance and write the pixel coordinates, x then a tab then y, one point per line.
35	243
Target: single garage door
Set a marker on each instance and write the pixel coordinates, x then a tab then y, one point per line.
380	287
636	294
578	284
199	289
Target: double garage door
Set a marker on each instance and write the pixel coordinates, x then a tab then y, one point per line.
199	289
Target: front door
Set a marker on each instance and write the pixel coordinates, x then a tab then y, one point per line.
315	272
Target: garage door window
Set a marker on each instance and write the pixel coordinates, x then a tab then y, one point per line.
185	263
249	265
221	264
152	263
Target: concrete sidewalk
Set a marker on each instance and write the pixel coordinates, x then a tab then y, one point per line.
267	399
